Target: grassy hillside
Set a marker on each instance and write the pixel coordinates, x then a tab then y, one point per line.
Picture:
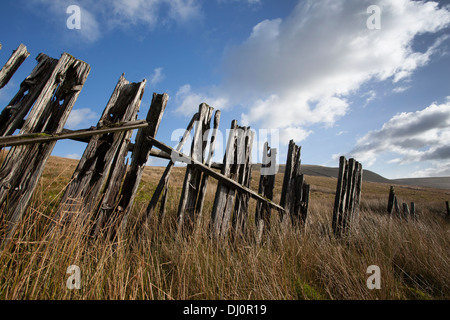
290	264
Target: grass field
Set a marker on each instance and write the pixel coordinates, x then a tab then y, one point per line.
413	256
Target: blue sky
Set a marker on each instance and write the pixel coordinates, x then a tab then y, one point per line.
312	71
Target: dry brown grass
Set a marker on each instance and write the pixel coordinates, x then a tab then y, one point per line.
290	264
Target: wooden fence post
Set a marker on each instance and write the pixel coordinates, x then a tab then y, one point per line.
244	163
220	215
193	176
92	170
293	198
348	194
292	171
23	165
15	61
13	115
205	177
139	157
340	196
266	185
390	207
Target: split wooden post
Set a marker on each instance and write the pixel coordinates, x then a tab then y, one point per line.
139	157
14	62
348	194
13	115
266	185
193	176
390	207
340	197
293	198
292	171
92	171
205	177
244	167
357	185
224	194
23	165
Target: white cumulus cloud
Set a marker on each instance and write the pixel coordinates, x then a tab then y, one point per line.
301	70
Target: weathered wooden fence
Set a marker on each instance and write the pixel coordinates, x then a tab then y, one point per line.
103	186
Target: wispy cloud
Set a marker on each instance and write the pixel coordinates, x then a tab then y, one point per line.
156	77
100	17
310	62
79	118
188	101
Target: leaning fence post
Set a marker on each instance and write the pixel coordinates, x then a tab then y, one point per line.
140	154
24	165
92	171
340	196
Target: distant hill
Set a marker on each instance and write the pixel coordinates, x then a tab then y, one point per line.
439	182
320	171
